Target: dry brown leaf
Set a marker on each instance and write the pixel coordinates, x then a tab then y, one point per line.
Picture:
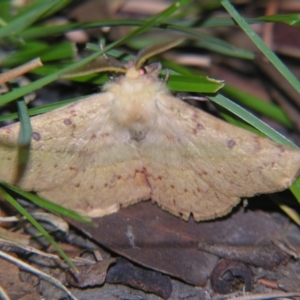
13	285
169	245
135	141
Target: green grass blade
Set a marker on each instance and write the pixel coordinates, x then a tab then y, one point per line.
217	45
31	50
289	19
156	19
262	46
44	81
55	208
25	129
59	5
28	216
40	109
203	40
190	83
25	53
251	119
22	21
295	189
42	31
258	105
5	8
24	135
57	52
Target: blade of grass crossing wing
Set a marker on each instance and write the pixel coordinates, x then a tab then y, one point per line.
24	136
27	215
295	188
25	129
251	119
48	205
41	109
262	127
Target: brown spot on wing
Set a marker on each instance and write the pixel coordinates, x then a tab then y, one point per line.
67	122
281	149
36	136
231	143
195	116
199	126
73	111
7	131
257	144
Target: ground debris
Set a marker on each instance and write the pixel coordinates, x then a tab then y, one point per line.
89	275
149	281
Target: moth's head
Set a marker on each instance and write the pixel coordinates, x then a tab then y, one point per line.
137	68
131	69
152	69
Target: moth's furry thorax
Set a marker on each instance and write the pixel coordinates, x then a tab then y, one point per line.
135	95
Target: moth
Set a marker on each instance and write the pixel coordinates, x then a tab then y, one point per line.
135	141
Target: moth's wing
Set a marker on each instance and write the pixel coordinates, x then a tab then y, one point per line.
78	158
199	164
